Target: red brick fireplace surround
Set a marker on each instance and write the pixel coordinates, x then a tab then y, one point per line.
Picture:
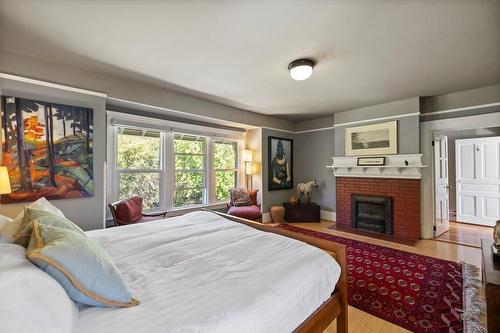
405	194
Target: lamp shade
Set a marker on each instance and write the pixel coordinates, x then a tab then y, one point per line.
248	168
4	181
248	155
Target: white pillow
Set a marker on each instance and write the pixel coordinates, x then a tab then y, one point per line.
11	228
30	299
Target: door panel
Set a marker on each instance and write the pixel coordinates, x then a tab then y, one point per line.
441	188
468	205
478	180
491	207
479	187
491	158
466	168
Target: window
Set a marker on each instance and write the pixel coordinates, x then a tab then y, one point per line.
170	169
190	160
225	167
138	162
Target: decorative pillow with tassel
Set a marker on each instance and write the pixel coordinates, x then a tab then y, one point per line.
43	217
81	266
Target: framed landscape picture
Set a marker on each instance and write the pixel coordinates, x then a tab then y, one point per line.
47	149
280	170
375	139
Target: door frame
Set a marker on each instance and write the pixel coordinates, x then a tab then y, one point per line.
436	140
427	131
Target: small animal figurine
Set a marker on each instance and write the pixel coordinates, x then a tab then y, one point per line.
304	191
496	234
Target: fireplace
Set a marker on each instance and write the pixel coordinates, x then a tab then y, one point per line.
372	213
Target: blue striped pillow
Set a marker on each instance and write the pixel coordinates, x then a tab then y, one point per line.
81	266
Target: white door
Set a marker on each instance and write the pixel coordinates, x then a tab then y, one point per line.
441	185
478	180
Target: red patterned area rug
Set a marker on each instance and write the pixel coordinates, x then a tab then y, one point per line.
416	292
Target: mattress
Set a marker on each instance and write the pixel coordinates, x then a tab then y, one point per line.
203	273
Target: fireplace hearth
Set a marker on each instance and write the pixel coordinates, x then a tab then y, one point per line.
372	213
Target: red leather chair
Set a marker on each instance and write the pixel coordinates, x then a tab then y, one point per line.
251	212
129	211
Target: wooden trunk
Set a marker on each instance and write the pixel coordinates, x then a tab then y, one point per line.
302	212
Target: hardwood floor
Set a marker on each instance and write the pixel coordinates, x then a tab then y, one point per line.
362	322
466	234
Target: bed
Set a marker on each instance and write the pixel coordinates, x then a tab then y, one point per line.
209	272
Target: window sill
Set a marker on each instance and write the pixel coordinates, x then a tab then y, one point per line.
183	210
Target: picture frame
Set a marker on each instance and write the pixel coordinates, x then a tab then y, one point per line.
280	163
373	139
55	142
371	161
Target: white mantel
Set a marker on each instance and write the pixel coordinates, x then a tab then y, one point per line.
395	167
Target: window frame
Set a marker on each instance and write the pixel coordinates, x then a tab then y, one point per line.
160	171
236	169
205	184
167	130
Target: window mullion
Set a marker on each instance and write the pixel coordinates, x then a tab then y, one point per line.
169	170
115	186
161	171
210	172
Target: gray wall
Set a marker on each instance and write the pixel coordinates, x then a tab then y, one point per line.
313	124
452	137
88	213
461	99
461	104
314	149
408	126
313	153
270	198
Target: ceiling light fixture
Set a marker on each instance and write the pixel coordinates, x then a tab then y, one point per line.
301	69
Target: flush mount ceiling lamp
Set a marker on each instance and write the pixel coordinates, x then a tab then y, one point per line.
301	69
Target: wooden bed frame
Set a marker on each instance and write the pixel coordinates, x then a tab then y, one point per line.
333	308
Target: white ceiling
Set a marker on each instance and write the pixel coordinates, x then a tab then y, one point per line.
237	52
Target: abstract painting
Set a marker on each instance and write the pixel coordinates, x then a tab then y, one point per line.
47	149
375	139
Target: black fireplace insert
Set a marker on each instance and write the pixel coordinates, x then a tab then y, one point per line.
372	213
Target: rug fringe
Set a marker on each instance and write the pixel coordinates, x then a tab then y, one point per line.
474	307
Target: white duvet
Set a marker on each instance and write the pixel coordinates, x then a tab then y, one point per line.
202	273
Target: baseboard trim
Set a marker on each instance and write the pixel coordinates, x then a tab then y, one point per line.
324	215
266	217
328	215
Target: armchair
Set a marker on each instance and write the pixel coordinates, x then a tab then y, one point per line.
129	211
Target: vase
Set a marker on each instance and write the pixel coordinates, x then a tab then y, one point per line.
277	214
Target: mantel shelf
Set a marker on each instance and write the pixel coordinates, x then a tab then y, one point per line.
394	167
375	166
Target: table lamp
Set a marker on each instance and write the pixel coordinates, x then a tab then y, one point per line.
4	181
